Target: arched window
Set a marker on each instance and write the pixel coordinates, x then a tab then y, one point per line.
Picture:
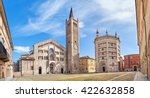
51	54
51	51
103	64
113	64
52	57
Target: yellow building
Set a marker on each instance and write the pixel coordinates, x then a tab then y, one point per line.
87	64
143	32
6	46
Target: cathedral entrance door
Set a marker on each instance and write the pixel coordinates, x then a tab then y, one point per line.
40	70
52	68
62	70
103	69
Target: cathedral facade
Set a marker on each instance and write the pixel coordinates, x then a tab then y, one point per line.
47	57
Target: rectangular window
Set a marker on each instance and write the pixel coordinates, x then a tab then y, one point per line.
57	59
32	68
57	52
111	44
40	51
45	57
134	62
102	58
45	51
112	57
61	59
61	53
127	62
40	57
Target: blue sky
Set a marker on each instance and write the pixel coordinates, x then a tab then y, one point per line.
32	21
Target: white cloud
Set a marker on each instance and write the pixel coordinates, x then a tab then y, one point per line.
122	11
43	21
49	8
105	14
93	13
118	16
21	49
119	10
81	24
82	35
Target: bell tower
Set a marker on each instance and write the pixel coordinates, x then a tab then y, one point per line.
72	44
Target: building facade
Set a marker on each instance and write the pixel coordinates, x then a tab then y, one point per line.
72	44
107	52
47	57
143	33
131	62
121	64
6	46
87	64
27	64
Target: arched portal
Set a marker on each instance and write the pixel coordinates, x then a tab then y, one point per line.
135	68
40	70
104	69
52	66
62	70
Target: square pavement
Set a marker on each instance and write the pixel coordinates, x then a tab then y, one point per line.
140	77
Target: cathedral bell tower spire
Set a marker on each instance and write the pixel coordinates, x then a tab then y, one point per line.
72	44
97	33
71	13
106	33
116	34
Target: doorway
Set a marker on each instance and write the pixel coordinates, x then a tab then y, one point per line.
3	76
40	70
135	68
62	70
104	69
52	68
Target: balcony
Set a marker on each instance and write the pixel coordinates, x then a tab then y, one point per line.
3	53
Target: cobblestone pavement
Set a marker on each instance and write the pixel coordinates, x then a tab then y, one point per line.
115	76
140	77
7	79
